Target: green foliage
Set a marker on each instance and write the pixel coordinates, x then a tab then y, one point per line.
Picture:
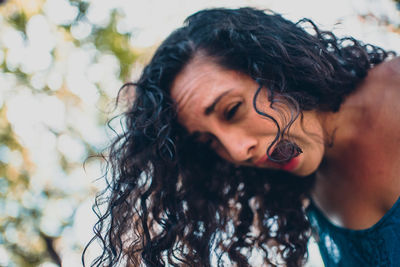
18	21
109	39
42	183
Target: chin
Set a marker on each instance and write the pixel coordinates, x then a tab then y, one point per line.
306	169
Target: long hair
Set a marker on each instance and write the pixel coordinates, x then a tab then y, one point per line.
170	200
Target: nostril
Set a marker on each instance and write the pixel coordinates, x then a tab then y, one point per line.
284	151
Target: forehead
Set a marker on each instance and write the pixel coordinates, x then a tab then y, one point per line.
198	85
199	75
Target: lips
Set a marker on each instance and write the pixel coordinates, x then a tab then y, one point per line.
290	165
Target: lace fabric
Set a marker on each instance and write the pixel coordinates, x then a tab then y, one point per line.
376	246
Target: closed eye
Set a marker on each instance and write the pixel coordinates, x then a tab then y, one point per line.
231	112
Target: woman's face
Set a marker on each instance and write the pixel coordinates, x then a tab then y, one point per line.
216	106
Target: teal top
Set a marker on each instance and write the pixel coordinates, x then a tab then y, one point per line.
376	246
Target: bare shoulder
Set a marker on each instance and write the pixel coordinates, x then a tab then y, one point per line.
382	83
393	65
388	70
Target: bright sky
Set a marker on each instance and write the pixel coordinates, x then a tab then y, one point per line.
153	20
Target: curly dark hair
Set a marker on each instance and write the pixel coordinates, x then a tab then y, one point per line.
171	200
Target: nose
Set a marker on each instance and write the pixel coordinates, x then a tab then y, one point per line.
239	146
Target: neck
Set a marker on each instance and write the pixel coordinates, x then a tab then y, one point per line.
345	132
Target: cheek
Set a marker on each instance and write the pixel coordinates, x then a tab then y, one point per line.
279	111
265	122
312	156
259	126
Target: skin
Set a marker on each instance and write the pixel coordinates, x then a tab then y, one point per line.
245	137
357	178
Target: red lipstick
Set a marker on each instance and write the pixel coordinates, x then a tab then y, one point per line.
286	166
290	165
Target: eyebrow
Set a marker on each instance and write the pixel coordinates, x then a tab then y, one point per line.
210	109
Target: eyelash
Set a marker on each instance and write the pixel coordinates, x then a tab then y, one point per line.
230	113
210	139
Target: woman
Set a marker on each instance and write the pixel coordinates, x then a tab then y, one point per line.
239	121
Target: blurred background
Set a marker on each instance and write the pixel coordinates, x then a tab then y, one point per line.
61	65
